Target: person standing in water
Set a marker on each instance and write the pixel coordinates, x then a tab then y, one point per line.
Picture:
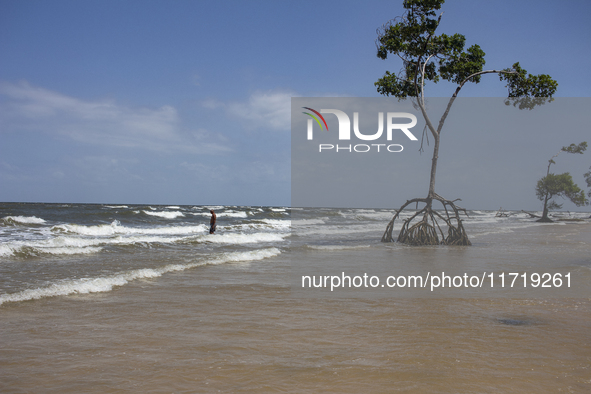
212	222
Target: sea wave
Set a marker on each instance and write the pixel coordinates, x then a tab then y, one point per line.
260	225
232	214
335	230
166	215
67	245
107	283
240	238
229	214
30	249
308	222
363	214
281	224
22	220
79	239
204	214
115	228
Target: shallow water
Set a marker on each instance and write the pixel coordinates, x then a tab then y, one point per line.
241	326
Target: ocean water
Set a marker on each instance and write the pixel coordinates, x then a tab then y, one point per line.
52	249
137	298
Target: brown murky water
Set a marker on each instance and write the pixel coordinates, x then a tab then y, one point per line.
196	332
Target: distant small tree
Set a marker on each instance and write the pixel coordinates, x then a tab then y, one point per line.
429	57
561	185
588	180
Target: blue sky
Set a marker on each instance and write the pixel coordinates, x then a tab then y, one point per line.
188	102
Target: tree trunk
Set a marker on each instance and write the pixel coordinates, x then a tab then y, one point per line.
531	215
433	168
545	218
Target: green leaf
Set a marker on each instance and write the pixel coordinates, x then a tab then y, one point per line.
572	148
526	91
560	185
427	57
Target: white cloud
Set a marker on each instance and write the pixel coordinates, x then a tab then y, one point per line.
270	110
265	110
101	122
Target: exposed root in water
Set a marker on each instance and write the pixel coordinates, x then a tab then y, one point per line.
428	231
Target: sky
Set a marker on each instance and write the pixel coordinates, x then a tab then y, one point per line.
188	102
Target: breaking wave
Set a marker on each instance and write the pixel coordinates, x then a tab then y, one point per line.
107	283
166	215
22	220
115	228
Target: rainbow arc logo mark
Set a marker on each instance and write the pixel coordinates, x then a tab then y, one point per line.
315	118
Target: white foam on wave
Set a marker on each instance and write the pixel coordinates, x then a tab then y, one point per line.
166	215
335	230
229	214
13	248
22	220
115	228
266	225
71	250
308	222
204	214
231	238
278	223
56	246
252	255
232	214
386	216
7	250
116	206
107	283
67	245
103	236
173	207
372	214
